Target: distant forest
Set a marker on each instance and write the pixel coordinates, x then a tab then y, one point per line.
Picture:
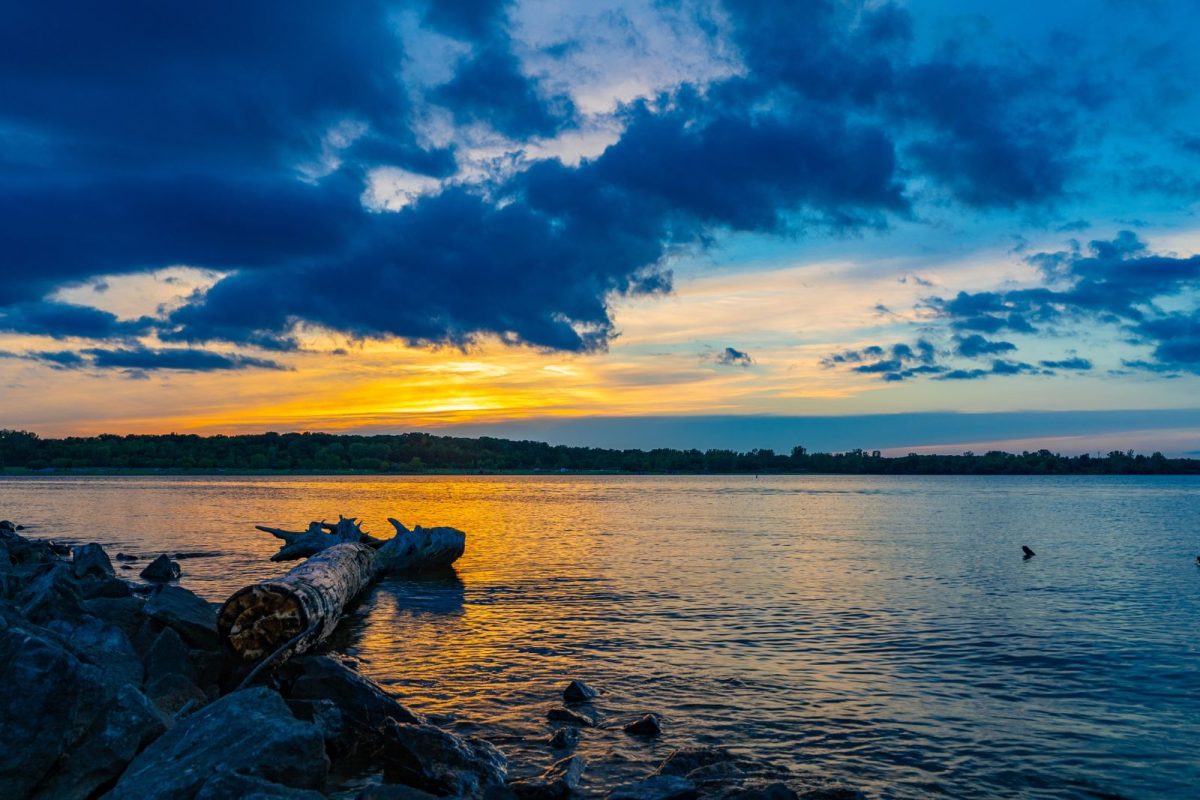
21	451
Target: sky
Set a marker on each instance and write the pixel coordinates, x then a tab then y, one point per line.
914	226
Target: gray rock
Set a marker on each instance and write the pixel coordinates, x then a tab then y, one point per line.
579	692
161	570
123	612
656	787
565	738
393	791
226	785
92	588
102	645
191	616
569	717
125	725
364	705
52	595
172	692
688	759
646	726
66	725
440	762
91	561
250	733
556	783
168	655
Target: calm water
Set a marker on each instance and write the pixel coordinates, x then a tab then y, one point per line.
883	632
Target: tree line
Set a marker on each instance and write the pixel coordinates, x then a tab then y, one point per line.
422	452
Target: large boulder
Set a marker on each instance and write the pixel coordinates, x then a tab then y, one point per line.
102	645
51	594
227	785
440	762
123	612
91	561
363	706
68	728
556	783
250	733
192	617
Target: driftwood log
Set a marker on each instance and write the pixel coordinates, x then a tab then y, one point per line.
287	615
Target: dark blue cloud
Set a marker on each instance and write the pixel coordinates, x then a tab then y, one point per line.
201	135
61	320
184	359
1075	363
732	357
974	345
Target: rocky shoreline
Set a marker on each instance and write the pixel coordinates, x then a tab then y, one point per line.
122	690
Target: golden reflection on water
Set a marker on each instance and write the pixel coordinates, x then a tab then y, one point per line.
878	630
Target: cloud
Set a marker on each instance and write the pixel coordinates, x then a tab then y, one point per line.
1075	363
975	345
146	359
248	147
62	320
730	357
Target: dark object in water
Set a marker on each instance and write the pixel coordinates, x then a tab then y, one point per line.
161	570
126	557
1028	553
579	692
1198	561
646	726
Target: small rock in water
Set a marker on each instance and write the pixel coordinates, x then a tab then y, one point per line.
556	783
1028	553
564	738
770	791
161	570
579	692
834	793
689	759
91	561
570	717
195	554
656	787
646	726
126	557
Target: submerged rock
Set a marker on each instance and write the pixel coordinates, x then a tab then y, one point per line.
556	783
565	738
769	791
646	726
579	692
190	615
125	557
656	787
91	561
250	733
441	762
161	570
569	717
688	759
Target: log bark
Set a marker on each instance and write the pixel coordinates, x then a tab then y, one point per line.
298	609
290	614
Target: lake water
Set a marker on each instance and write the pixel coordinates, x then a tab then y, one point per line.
878	631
